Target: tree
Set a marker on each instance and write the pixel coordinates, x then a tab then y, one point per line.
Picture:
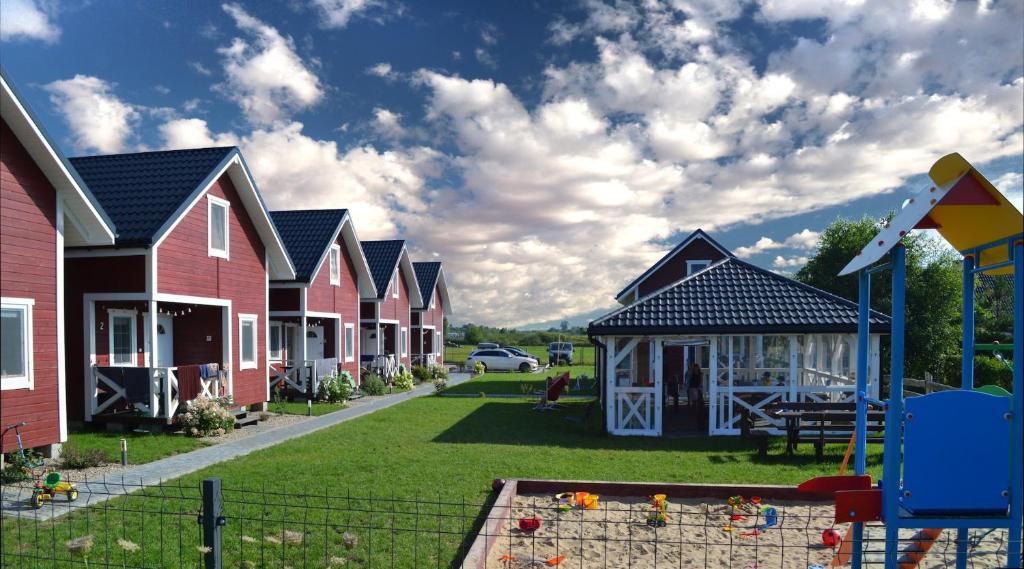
933	295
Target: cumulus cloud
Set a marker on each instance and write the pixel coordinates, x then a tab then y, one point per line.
388	124
382	70
805	240
781	262
339	13
264	74
27	20
1012	186
98	119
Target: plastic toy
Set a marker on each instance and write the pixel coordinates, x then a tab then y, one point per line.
590	501
529	525
530	560
830	537
566	501
771	517
45	489
658	516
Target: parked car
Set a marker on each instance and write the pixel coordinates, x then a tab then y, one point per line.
487	346
521	352
559	353
501	360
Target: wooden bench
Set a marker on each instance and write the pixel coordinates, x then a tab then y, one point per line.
814	422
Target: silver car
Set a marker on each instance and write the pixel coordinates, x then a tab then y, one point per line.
501	360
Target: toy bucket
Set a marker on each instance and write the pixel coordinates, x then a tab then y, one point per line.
529	525
581	498
590	501
660	497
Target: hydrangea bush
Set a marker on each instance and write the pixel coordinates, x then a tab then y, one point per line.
205	417
335	387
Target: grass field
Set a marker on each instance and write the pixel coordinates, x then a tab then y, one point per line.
514	383
582	354
142	447
299	408
442	450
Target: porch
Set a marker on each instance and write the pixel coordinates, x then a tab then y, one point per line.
302	350
425	344
379	344
738	373
147	358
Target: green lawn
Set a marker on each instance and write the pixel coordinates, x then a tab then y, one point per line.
443	451
515	383
142	447
299	408
582	354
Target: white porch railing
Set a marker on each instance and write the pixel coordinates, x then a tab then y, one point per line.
151	391
635	411
304	378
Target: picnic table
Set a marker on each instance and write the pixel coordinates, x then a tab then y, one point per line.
814	422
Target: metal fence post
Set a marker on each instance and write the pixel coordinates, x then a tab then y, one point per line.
212	520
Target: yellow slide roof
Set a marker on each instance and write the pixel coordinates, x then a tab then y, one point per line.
962	205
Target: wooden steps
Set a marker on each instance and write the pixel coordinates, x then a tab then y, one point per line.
244	419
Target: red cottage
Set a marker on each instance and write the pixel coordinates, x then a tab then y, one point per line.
44	207
314	318
428	317
178	307
385	316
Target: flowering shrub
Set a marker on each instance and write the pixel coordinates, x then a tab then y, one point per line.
421	374
479	368
403	379
204	417
438	372
440	384
335	388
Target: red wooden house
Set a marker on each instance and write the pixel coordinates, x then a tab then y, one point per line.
314	318
385	317
428	318
178	306
44	207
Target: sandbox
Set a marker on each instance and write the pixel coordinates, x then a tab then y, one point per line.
701	530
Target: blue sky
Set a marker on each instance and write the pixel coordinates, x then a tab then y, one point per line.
547	152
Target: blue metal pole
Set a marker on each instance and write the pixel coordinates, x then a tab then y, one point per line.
967	370
860	434
894	416
1013	549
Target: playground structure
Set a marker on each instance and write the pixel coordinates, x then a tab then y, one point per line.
952	459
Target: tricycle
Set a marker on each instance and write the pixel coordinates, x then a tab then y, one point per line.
45	488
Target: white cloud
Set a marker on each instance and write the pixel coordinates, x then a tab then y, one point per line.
200	68
1012	186
388	124
27	20
382	70
339	13
805	240
162	89
485	57
98	119
781	262
267	78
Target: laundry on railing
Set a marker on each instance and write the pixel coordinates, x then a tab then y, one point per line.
209	371
137	384
190	383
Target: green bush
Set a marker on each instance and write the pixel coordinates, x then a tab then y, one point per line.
479	367
422	373
990	371
204	417
403	379
438	372
373	385
16	468
74	458
335	388
440	384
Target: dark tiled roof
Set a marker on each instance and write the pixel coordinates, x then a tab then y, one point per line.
307	234
735	296
382	257
142	191
426	276
698	234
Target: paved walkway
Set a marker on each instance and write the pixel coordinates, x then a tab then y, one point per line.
15	499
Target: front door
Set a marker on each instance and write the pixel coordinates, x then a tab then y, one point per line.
315	343
165	340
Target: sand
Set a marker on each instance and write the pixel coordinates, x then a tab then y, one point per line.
617	536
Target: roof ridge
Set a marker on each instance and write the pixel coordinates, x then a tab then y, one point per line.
151	152
699	232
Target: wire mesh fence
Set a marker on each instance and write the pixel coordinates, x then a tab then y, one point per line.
119	524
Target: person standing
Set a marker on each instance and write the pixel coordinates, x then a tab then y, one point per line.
673	389
694	387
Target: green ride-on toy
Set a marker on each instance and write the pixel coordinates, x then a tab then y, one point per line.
45	488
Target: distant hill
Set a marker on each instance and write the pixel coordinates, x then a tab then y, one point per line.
579	320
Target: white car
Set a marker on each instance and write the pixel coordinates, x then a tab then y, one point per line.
501	360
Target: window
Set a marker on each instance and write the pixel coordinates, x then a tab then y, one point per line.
394	285
247	341
16	343
350	342
405	341
335	265
694	266
428	342
219	238
432	296
275	341
122	337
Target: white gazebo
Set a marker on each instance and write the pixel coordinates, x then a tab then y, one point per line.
760	338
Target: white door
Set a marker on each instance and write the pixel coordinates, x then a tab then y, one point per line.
315	342
165	340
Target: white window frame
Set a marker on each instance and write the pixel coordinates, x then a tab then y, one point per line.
134	336
242	362
350	351
690	264
21	381
334	264
274	325
433	295
405	341
394	284
211	202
